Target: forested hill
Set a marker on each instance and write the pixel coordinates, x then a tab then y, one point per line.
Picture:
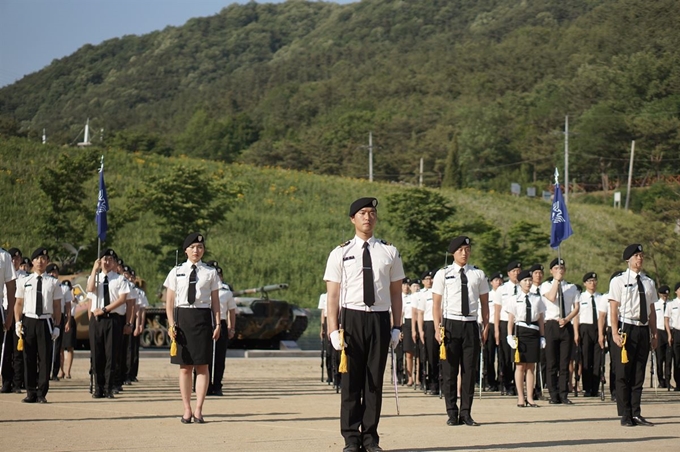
478	88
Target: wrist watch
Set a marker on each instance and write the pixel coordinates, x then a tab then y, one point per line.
104	310
397	327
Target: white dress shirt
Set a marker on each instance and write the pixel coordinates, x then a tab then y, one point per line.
673	314
447	283
117	287
624	289
51	291
207	280
552	309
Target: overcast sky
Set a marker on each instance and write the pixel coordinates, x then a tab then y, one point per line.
35	32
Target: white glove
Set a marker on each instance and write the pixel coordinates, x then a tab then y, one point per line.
18	327
511	341
394	340
335	340
55	333
543	342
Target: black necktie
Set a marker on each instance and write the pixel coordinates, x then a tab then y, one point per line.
560	295
191	296
515	289
369	290
528	314
538	291
643	300
39	297
107	295
592	302
464	297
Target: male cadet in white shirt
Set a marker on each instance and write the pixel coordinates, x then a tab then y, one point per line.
65	314
490	346
368	273
664	353
427	325
631	299
561	306
509	291
586	324
38	301
228	328
672	324
109	294
456	291
8	282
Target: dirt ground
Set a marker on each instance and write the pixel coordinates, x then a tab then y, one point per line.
280	404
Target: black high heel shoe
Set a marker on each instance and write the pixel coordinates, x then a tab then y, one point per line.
199	420
185	421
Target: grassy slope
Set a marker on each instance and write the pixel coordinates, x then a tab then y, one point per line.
287	222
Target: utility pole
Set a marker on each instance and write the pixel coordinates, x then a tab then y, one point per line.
566	159
420	179
630	172
370	156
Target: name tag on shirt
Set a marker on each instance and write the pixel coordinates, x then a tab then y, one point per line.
181	274
28	285
347	258
450	277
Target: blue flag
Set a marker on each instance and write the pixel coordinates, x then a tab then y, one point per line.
102	207
560	228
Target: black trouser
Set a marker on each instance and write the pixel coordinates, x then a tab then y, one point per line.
367	335
18	360
431	356
133	354
676	357
421	355
490	358
558	349
664	356
7	347
328	350
120	371
630	377
612	374
220	357
462	350
591	354
57	347
505	358
104	346
37	355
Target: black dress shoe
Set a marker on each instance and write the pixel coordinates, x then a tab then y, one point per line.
6	388
373	448
627	422
109	395
218	393
554	402
452	421
41	399
351	448
566	401
639	420
98	394
30	399
467	420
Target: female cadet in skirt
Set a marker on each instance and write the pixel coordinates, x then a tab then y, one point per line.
193	308
525	320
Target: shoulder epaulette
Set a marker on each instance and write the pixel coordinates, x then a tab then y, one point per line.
345	244
475	267
549	279
384	242
616	275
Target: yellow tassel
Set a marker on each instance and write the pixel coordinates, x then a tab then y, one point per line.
516	350
624	353
173	345
20	344
442	347
343	357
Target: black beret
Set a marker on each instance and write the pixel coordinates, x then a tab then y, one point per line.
66	282
555	262
536	267
120	262
677	286
427	273
132	272
108	252
51	267
496	275
589	275
458	242
513	265
14	252
39	252
631	250
195	237
416	281
665	290
524	274
406	281
127	269
27	261
361	203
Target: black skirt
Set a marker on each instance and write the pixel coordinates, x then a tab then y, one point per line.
409	345
69	340
529	344
194	337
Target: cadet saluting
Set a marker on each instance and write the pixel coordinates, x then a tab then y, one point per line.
38	299
368	272
456	291
631	299
192	299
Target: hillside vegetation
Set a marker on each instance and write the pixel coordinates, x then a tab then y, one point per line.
283	223
478	88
